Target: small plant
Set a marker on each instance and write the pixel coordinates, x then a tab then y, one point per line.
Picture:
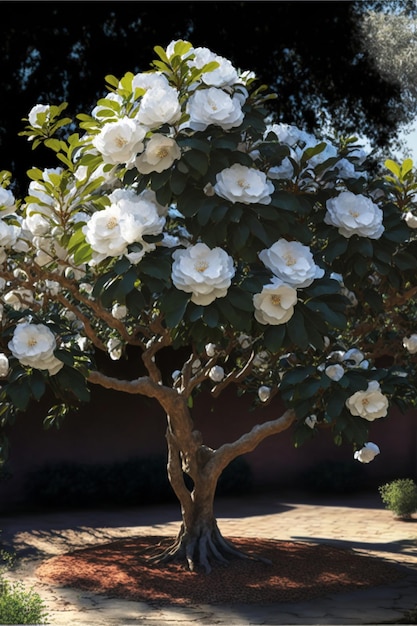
18	604
400	497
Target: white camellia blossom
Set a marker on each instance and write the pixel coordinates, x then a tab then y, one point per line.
33	345
223	76
334	372
8	234
410	219
216	374
355	358
354	214
7	202
410	344
119	311
120	142
4	365
292	262
214	106
367	453
210	349
114	348
37	110
204	272
370	404
239	183
275	304
311	421
103	234
264	393
160	105
159	154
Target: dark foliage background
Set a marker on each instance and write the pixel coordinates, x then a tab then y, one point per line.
310	52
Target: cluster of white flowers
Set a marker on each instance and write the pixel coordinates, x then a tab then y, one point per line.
127	220
33	345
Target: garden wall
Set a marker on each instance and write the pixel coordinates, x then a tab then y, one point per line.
115	427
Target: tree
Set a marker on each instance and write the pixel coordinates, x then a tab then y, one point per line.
181	217
316	65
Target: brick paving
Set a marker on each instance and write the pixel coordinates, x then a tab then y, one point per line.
358	522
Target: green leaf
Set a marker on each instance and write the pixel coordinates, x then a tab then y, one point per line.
211	316
274	337
393	167
297	330
240	299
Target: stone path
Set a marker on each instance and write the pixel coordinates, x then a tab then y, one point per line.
357	522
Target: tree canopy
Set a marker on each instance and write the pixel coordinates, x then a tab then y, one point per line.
179	215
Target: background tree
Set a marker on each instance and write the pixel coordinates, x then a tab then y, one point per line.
180	217
317	65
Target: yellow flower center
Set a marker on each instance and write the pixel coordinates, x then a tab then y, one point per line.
242	183
201	265
289	259
354	213
111	223
32	342
162	153
120	142
276	300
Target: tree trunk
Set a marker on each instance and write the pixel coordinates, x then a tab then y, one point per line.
199	543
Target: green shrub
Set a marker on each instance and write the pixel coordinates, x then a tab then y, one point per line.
18	604
400	497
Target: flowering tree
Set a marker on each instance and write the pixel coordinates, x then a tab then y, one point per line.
180	216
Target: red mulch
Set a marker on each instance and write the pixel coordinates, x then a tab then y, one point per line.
299	571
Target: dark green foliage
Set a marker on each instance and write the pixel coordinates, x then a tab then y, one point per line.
125	483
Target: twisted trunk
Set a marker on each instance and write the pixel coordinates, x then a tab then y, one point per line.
193	472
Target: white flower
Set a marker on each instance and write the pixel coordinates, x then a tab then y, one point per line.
4	365
355	356
311	420
285	170
275	304
216	374
204	272
119	142
175	375
160	105
222	76
119	311
114	348
244	341
410	219
214	106
261	361
33	345
146	80
367	453
264	393
37	224
334	372
8	234
354	214
38	109
292	262
239	183
210	349
160	153
370	404
19	299
7	202
410	344
103	233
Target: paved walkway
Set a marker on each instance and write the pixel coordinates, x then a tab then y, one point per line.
360	523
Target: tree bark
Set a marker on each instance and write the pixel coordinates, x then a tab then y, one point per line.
193	472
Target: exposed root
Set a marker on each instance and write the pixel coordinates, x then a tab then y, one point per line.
202	550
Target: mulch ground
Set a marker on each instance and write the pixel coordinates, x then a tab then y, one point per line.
299	571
